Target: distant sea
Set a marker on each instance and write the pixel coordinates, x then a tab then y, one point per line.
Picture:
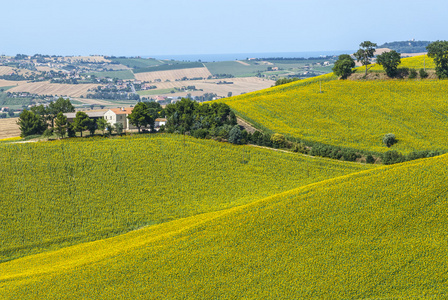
243	56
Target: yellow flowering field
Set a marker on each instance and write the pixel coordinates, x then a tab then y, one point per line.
60	193
416	62
12	139
375	234
354	114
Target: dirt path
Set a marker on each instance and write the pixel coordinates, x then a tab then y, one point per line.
242	62
249	128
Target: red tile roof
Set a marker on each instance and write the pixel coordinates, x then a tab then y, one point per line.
122	111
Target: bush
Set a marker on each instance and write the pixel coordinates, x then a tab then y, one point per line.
389	139
235	135
412	74
278	140
349	155
47	133
423	73
200	133
392	157
370	159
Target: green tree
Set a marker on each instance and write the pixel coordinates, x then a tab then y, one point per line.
91	126
389	139
390	61
110	128
60	125
155	111
343	66
81	122
54	108
61	105
30	123
365	53
119	128
102	124
140	116
11	113
235	135
439	52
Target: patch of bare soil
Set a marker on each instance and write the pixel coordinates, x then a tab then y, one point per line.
9	128
382	76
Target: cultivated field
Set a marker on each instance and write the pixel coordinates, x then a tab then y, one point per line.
46	69
9	128
335	239
240	85
103	187
4	70
354	114
10	83
46	88
173	74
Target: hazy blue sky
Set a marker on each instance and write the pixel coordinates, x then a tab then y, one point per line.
137	27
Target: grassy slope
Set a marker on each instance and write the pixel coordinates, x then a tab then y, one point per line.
170	67
336	239
138	62
235	68
67	192
354	114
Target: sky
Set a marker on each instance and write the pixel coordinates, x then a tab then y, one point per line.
147	27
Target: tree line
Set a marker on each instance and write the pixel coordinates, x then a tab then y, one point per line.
390	60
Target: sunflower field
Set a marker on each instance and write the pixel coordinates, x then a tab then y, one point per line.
60	193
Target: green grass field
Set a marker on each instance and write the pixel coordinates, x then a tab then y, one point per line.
155	92
5	88
67	192
125	74
136	63
13	103
235	68
335	239
169	67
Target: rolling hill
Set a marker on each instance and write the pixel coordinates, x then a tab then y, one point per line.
353	114
67	192
336	239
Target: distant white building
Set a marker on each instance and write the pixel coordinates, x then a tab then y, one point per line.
120	115
159	122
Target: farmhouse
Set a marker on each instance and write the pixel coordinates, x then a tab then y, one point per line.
120	115
159	122
92	115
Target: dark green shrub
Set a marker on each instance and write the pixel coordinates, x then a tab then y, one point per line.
235	135
200	133
349	155
389	139
370	159
412	74
392	157
423	73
